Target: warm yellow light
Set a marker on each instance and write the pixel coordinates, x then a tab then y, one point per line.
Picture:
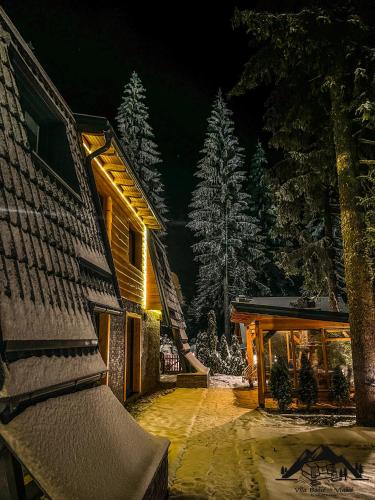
157	312
115	186
144	267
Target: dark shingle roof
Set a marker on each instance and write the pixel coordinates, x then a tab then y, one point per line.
48	232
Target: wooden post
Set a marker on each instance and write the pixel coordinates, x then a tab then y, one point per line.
260	363
108	217
325	357
249	348
287	347
270	353
294	361
250	354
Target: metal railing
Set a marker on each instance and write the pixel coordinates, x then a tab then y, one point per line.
170	363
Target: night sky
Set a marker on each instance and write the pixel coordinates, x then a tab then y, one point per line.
183	53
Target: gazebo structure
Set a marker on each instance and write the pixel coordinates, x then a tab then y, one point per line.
289	327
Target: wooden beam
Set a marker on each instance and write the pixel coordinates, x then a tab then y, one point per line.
325	357
113	167
287	346
123	182
270	352
294	360
287	323
260	363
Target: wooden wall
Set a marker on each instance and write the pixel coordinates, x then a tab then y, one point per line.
130	278
153	300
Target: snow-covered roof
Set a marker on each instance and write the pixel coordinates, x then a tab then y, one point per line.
35	373
173	314
85	445
294	307
46	228
321	303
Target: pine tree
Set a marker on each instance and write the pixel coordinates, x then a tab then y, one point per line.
201	349
229	248
280	384
137	137
262	206
340	391
214	361
224	354
236	362
303	46
306	198
308	387
206	346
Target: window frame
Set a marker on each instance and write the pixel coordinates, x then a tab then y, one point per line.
25	78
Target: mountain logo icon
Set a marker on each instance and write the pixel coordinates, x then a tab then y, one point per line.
322	464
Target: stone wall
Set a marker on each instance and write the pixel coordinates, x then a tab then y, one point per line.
150	351
116	357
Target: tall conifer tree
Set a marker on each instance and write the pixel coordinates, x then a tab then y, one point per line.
328	49
229	247
138	140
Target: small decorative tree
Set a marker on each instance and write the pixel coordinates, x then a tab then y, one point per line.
340	392
211	331
308	387
280	385
237	363
201	349
206	346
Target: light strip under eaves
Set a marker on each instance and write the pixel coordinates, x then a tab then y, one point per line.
144	267
98	162
144	242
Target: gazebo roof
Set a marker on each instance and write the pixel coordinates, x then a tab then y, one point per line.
292	308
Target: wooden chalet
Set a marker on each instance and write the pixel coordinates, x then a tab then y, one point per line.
289	327
57	421
129	344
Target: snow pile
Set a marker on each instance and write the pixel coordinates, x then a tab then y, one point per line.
227	381
32	374
85	445
275	447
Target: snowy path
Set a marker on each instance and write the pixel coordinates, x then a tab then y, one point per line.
222	448
205	459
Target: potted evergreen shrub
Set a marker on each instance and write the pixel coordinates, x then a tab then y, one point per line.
280	384
308	387
340	391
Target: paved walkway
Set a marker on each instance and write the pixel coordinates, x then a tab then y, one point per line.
210	454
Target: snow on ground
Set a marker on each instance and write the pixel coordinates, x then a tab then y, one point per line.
223	448
227	381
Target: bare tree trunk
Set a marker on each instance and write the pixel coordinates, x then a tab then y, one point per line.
357	269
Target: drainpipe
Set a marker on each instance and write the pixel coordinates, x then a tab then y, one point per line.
98	207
